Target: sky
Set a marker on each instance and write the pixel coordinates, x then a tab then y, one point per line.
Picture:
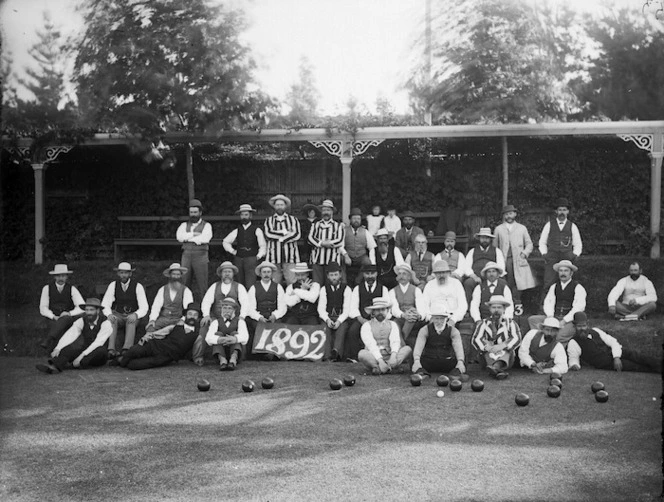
357	47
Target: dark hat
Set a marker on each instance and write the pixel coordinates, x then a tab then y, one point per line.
308	207
195	203
508	208
91	302
561	202
580	318
368	267
333	267
408	214
195	306
356	211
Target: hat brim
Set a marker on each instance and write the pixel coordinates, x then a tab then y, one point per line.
83	305
68	272
504	304
334	209
245	210
485	270
300	270
571	266
542	325
400	268
116	269
168	271
376	307
308	207
260	268
491	236
226	267
273	200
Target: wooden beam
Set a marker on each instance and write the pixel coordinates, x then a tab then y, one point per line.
656	155
40	225
506	175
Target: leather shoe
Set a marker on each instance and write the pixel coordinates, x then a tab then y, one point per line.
223	367
231	366
502	375
47	368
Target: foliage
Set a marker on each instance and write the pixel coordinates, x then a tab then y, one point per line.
303	96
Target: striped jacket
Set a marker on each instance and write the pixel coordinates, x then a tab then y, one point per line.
282	234
326	231
508	332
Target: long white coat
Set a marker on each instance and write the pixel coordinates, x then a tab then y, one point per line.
520	240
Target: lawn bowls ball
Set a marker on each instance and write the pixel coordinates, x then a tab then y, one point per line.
443	381
553	391
335	384
248	386
203	385
555	374
267	383
455	385
596	387
557	382
416	380
349	380
477	385
601	396
522	399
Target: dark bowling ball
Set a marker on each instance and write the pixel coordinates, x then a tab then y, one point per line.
335	384
456	385
557	375
556	382
597	386
416	380
349	380
522	399
477	385
203	385
267	383
601	396
248	386
553	391
443	381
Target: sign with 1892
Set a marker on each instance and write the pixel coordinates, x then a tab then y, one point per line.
290	341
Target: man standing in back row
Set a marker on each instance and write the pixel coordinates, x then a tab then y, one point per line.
247	244
282	231
195	236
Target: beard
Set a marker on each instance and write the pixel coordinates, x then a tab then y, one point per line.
495	317
355	224
634	277
280	211
379	317
244	221
175	283
191	322
370	280
549	338
193	219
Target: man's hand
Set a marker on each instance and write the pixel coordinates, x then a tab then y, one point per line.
326	244
612	310
536	368
632	302
416	366
575	367
147	337
150	326
461	366
206	321
262	319
306	284
56	352
132	318
77	361
64	314
348	260
113	318
617	364
330	323
476	279
392	362
362	320
272	318
383	366
180	322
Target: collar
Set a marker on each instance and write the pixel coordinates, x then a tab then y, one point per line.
279	218
561	222
564	284
404	287
246	225
197	222
485	249
369	287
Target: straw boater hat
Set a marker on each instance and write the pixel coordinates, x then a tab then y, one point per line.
173	267
497	300
229	300
550	322
280	197
378	303
245	207
484	232
450	235
441	266
195	203
265	264
310	207
226	265
327	203
439	310
91	302
509	208
124	267
565	263
405	267
300	268
489	266
382	232
60	269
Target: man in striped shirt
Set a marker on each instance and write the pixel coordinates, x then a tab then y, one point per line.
326	236
282	231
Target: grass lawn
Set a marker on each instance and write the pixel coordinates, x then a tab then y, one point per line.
113	434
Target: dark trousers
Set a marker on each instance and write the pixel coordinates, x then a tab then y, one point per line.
97	357
55	330
196	262
409	331
632	361
550	275
246	270
303	319
143	357
438	365
226	351
351	273
353	340
336	339
469	286
319	273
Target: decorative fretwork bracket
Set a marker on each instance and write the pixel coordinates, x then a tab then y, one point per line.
346	149
51	152
643	141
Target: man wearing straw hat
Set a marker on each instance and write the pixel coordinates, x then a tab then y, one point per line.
492	284
282	231
541	351
124	304
407	304
404	238
265	300
170	301
444	292
357	245
250	246
383	351
478	257
83	344
59	304
497	337
513	240
195	236
455	259
301	297
326	238
333	310
228	335
565	298
438	348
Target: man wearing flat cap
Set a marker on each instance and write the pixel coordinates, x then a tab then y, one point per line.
282	231
560	240
59	304
358	243
454	258
492	284
478	257
266	300
170	301
83	345
541	351
513	240
326	238
228	336
565	298
124	304
404	238
247	244
195	236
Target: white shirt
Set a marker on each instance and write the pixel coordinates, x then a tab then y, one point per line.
252	306
461	263
578	304
392	224
242	298
158	302
419	302
477	296
355	300
558	354
370	342
398	257
204	238
211	338
577	245
295	296
109	299
451	295
574	349
322	304
627	282
232	237
44	301
468	262
75	331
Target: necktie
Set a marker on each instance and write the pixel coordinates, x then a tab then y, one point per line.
492	287
124	287
421	256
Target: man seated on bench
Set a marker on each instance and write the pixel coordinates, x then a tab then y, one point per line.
170	301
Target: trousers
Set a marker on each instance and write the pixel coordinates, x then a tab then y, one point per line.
246	270
97	357
368	359
143	357
196	262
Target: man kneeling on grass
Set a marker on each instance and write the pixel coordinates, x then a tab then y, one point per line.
166	345
82	345
382	351
227	336
602	351
438	347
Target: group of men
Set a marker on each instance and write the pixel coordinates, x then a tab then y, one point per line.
385	300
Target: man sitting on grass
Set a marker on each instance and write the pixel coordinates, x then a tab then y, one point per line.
382	351
228	335
633	297
602	351
438	347
540	350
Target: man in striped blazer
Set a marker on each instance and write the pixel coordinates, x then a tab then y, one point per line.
282	231
327	237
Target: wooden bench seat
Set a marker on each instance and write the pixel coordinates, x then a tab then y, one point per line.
118	244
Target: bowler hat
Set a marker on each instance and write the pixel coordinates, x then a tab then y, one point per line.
368	267
356	211
195	203
580	318
194	306
408	214
509	208
450	235
333	267
561	202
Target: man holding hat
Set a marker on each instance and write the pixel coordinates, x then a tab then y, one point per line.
634	295
124	304
541	350
421	261
560	240
265	300
358	242
333	310
404	238
363	296
383	351
228	335
326	238
169	303
247	244
59	304
166	345
301	297
282	231
602	351
492	284
83	344
455	259
386	258
444	292
407	306
478	257
497	337
565	298
195	236
438	348
513	240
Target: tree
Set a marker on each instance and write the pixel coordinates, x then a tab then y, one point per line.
154	66
303	96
